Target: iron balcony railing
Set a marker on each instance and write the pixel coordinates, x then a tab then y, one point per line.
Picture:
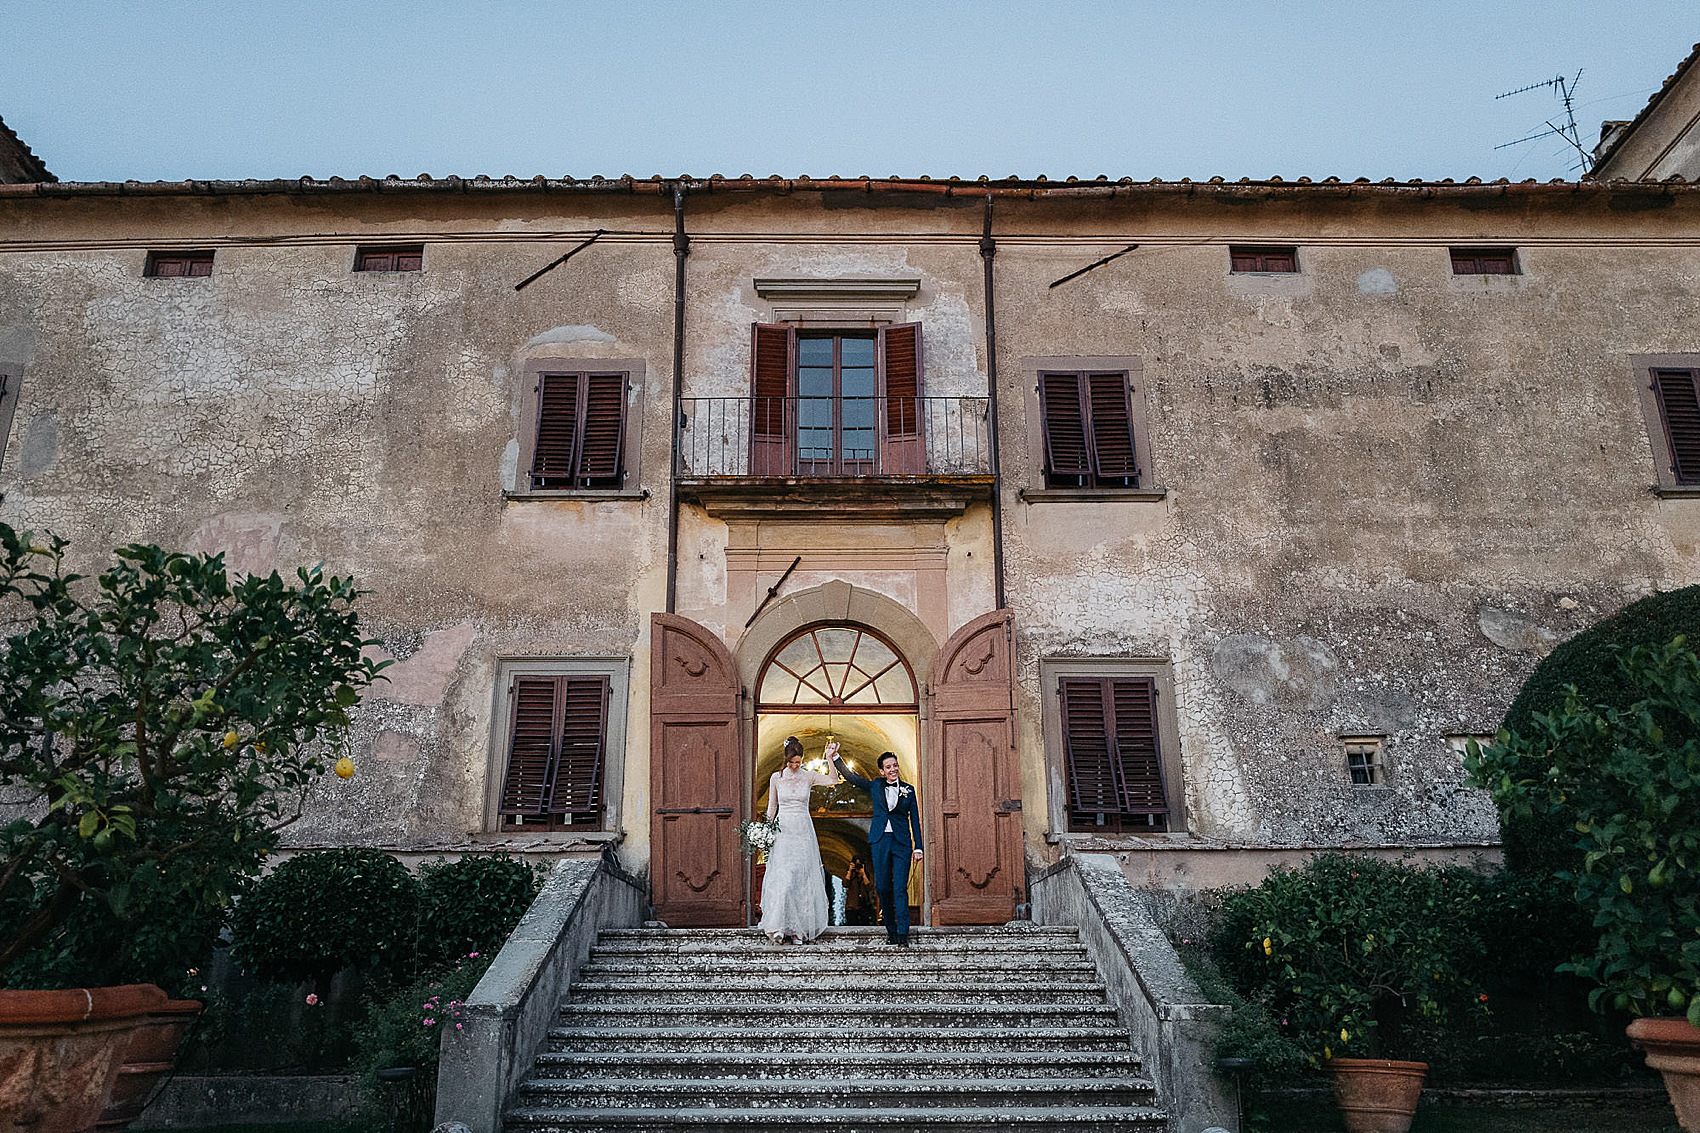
833	438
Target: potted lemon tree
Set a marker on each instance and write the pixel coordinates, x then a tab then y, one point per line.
159	724
1623	779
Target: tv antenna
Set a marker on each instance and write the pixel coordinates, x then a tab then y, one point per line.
1565	89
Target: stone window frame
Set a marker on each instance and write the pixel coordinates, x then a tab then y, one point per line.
632	443
1370	744
1161	671
1642	368
1133	366
617	669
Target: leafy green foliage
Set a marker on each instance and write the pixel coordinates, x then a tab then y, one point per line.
472	905
406	1027
1354	956
327	910
1625	778
168	718
1588	662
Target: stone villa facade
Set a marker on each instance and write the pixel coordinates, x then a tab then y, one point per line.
1200	523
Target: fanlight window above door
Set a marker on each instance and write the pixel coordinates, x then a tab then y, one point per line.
837	665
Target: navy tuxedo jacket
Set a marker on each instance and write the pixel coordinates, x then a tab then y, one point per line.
905	817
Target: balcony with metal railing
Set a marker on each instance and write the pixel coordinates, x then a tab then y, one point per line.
906	454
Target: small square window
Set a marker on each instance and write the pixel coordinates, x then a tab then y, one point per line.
1363	760
389	257
1242	258
1484	261
175	265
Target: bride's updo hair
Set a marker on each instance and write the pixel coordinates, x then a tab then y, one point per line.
793	746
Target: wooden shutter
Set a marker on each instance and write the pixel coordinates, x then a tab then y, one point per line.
1284	260
555	752
773	355
1679	402
1064	411
1113	457
554	460
899	358
1111	749
603	436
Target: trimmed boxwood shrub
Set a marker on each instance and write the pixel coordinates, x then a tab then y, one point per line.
1534	843
326	910
471	905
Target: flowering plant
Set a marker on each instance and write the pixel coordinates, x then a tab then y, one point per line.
406	1028
758	835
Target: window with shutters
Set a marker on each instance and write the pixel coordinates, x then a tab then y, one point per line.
836	403
176	265
579	434
1112	737
1668	387
1088	436
1484	261
559	745
1263	259
389	257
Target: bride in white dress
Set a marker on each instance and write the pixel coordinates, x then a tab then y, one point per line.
793	891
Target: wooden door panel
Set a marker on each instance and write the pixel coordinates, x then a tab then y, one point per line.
696	777
978	868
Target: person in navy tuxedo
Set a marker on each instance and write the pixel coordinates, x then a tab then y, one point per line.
894	836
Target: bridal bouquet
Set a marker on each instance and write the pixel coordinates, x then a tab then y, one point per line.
758	835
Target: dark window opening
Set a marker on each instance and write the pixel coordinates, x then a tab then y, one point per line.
1363	762
1484	261
1678	395
580	431
389	257
1242	258
1088	419
1114	767
556	751
178	265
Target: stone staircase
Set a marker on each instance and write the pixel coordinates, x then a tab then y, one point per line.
716	1029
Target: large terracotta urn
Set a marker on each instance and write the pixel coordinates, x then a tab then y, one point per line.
151	1054
1376	1095
60	1052
1673	1049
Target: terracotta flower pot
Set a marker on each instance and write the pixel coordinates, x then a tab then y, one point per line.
1673	1049
151	1054
1376	1095
60	1052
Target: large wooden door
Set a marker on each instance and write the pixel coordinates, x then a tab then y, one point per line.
973	780
696	776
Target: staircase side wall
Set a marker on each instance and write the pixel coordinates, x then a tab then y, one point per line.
1173	1027
507	1018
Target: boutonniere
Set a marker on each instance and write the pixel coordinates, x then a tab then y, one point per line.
904	792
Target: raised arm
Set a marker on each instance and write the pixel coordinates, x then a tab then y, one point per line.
849	775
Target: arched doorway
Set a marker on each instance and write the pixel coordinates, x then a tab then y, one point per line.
842	681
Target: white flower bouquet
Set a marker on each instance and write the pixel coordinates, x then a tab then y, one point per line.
758	835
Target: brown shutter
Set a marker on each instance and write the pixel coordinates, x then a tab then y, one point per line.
531	748
1092	781
1679	401
555	752
1113	457
577	791
602	446
1134	703
555	458
1061	405
899	359
773	353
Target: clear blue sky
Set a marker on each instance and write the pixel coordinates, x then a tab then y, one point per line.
169	89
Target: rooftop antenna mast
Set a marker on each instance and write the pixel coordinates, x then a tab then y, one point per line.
1560	127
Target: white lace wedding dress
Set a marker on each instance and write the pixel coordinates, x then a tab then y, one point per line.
793	891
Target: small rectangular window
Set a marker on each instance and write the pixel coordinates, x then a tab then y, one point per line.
1484	261
580	432
1089	430
557	743
1243	258
1363	760
175	265
1111	753
389	257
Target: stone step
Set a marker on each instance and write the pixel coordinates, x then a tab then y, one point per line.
807	1093
628	1012
920	939
846	1040
796	960
877	1064
1057	1119
783	995
789	972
